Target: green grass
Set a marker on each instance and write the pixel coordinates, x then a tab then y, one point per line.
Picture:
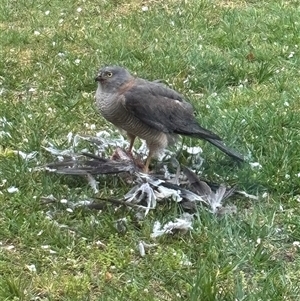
238	63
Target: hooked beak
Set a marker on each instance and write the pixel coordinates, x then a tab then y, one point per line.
98	78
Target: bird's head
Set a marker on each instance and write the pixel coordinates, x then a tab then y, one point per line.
110	78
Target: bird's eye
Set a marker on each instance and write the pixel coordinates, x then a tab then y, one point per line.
109	74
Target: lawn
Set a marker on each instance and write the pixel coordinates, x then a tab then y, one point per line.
237	62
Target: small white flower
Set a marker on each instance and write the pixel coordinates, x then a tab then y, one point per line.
291	54
64	201
77	61
286	104
61	54
287	176
60	21
258	241
207	106
12	189
93	126
47	12
69	210
264	195
36	33
79	9
145	8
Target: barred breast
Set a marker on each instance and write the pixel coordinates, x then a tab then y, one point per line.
111	108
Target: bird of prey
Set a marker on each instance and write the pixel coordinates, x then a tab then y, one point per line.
150	111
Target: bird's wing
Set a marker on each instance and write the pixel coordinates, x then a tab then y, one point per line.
163	109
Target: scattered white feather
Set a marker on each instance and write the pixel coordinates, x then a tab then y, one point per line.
296	244
215	199
255	165
12	189
93	183
83	203
141	249
76	140
4	181
100	244
194	150
31	268
49	197
70	137
181	224
142	194
164	192
103	134
57	152
3	134
251	196
26	156
185	261
121	225
9	248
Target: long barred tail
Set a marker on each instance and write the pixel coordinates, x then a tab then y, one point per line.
230	152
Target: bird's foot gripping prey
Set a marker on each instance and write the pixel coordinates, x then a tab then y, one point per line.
150	111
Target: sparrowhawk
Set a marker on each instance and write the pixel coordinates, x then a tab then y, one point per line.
150	111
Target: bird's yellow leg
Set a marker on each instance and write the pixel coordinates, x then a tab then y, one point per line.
132	138
146	167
